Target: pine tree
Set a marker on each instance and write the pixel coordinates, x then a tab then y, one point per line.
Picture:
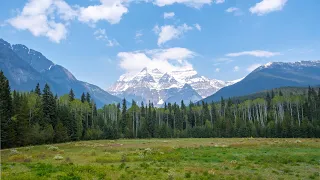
88	98
61	133
150	121
37	90
71	95
7	131
22	125
280	93
123	124
83	98
49	106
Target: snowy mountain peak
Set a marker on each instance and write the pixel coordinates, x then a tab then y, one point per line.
144	70
285	65
157	86
156	71
186	87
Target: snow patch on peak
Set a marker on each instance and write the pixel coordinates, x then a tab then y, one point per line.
157	86
50	67
144	70
160	102
268	64
157	71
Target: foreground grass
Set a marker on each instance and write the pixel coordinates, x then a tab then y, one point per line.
246	158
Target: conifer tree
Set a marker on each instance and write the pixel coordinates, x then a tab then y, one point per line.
37	90
123	116
88	98
83	98
71	95
49	106
7	131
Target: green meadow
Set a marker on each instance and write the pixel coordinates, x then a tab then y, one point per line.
211	158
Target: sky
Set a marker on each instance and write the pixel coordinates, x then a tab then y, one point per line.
99	40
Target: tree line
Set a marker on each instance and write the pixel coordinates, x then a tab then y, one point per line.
39	117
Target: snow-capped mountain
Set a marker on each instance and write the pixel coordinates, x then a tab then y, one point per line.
158	87
273	75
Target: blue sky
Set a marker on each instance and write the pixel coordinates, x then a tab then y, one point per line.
98	40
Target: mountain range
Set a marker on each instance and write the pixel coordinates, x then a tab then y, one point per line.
273	75
26	67
158	87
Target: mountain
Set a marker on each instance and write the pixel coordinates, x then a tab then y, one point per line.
273	75
185	93
158	87
25	68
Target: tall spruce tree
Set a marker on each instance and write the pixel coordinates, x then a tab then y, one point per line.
37	90
88	98
123	122
83	98
71	95
7	131
49	106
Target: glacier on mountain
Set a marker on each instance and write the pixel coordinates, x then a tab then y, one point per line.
158	87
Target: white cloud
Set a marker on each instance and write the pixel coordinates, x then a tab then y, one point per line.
253	67
191	3
236	11
217	69
236	68
168	15
100	34
164	59
232	9
138	36
198	27
50	18
267	6
219	1
38	17
112	42
109	10
169	32
64	10
256	53
220	61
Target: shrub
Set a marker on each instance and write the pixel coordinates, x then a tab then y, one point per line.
53	148
187	175
41	156
14	151
58	157
20	158
122	165
123	158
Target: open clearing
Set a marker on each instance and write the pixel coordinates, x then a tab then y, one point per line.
233	158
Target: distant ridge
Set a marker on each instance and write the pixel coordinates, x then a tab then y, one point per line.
26	67
273	75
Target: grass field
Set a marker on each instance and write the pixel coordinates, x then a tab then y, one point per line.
238	158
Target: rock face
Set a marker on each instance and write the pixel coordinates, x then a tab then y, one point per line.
273	75
159	87
25	68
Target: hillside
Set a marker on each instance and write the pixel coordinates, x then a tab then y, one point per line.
25	68
273	75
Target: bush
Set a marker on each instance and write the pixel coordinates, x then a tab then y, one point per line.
53	148
14	151
187	175
20	158
58	157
